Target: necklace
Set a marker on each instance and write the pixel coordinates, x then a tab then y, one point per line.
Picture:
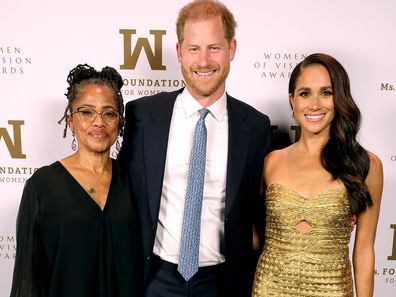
91	190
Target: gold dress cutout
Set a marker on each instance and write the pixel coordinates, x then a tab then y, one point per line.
313	264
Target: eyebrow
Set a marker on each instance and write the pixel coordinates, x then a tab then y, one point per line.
103	107
209	45
303	89
308	89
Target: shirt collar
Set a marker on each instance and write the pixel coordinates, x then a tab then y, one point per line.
191	106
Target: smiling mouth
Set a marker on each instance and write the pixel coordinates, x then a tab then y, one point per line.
314	118
208	73
98	135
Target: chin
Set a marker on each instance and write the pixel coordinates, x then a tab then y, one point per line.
100	149
319	131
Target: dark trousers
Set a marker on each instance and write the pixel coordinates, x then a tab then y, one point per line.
166	281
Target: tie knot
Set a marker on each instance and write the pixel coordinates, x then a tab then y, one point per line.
203	113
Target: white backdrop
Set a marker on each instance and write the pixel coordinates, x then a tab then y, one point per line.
40	41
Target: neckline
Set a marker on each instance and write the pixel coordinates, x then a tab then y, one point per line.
334	189
92	201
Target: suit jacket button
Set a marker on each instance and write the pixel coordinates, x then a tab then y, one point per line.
148	258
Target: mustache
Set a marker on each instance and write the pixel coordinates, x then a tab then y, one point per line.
207	68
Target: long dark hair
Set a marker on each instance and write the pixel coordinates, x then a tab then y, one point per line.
342	155
84	75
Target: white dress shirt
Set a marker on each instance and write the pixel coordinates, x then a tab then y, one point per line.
184	119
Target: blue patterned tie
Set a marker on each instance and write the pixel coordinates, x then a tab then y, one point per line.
189	245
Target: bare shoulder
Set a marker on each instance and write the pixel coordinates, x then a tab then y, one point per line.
275	156
275	159
375	162
375	177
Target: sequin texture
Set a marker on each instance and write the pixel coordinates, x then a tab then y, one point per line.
313	264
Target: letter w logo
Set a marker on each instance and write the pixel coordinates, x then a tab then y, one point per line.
14	148
131	57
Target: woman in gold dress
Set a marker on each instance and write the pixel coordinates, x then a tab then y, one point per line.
316	189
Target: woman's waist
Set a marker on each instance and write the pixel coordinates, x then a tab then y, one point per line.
306	246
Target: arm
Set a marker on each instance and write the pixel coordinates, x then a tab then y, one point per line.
259	229
27	279
363	252
260	211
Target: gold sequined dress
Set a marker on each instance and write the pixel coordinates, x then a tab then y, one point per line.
296	264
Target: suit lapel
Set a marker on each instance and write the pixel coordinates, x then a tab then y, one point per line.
156	135
237	149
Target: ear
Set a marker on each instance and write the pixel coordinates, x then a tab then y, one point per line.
291	101
233	45
178	51
70	123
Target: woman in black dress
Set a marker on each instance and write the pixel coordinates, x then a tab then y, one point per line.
76	226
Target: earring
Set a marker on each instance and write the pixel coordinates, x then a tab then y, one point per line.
292	113
74	143
118	145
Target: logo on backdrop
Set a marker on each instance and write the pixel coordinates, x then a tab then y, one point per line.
388	274
145	50
14	145
15	175
7	247
13	60
131	56
11	140
393	255
277	65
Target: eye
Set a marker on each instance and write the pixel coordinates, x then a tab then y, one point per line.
303	94
327	93
193	49
86	112
214	49
111	114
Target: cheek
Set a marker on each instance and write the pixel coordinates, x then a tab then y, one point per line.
220	59
114	130
186	58
79	128
299	105
330	106
332	115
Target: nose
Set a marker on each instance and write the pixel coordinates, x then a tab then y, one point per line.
98	121
315	103
203	58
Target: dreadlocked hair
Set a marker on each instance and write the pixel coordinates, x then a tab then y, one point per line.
84	75
342	156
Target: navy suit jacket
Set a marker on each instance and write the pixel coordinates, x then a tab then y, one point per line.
144	152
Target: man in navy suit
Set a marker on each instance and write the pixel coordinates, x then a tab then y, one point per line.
156	149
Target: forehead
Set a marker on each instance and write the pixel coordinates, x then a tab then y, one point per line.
314	75
96	95
204	29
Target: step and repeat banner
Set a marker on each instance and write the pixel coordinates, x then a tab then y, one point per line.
41	41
